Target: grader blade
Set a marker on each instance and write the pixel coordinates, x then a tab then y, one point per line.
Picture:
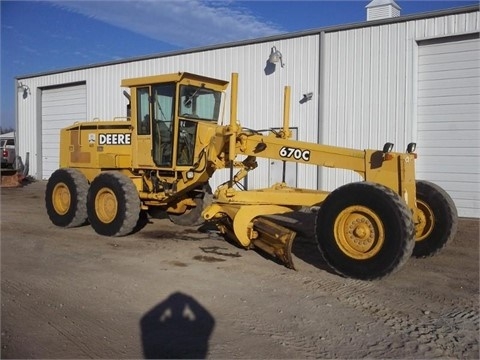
247	225
274	239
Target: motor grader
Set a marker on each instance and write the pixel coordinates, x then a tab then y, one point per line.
160	158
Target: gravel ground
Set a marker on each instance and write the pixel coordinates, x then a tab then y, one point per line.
171	291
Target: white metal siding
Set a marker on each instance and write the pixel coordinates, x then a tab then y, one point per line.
366	100
60	107
368	84
260	93
449	119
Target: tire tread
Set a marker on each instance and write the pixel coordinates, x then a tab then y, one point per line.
78	187
435	245
117	182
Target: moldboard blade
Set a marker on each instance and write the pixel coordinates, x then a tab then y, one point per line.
274	239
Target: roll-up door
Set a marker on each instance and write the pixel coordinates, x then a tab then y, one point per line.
448	118
61	107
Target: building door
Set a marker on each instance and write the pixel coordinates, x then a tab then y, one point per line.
448	118
61	107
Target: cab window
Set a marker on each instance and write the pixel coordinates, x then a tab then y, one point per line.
162	100
199	102
143	111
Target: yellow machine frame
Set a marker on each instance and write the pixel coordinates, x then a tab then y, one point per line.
393	170
109	154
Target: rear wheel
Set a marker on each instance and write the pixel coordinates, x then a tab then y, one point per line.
365	231
113	204
437	219
66	198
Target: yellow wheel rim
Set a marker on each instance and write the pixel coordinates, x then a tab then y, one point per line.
359	232
425	221
61	198
106	205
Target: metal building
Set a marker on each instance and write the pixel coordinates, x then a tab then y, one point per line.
401	79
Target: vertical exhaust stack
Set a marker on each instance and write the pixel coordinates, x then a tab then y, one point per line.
382	9
233	127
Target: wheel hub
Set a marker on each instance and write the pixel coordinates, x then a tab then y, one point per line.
425	221
61	198
359	232
106	205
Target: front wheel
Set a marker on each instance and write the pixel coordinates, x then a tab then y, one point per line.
113	204
436	220
365	231
193	215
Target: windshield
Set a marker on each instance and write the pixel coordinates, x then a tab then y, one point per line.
199	102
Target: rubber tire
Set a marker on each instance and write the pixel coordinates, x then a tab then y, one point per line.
193	216
128	204
398	228
445	216
77	185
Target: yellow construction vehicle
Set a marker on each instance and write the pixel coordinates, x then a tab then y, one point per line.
160	158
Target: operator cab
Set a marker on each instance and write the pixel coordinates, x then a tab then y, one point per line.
165	113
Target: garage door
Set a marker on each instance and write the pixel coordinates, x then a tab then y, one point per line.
449	119
61	107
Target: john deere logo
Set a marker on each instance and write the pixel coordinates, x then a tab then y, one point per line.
114	139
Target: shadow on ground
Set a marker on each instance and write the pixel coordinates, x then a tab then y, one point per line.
177	328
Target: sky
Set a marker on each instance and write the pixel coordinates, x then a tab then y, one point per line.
39	36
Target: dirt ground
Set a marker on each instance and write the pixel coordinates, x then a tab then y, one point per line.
171	291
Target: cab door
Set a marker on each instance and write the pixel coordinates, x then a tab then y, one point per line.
163	125
154	125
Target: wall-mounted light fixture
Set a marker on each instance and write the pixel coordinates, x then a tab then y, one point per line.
26	90
308	96
275	57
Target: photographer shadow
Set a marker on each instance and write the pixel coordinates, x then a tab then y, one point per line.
177	328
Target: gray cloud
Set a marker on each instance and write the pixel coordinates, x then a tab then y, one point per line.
182	23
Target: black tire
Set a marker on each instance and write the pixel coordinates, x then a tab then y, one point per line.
113	204
66	198
193	216
365	231
438	219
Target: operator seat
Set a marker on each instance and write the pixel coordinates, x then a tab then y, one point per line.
163	142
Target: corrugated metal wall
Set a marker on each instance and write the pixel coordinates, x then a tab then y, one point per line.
260	92
368	84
